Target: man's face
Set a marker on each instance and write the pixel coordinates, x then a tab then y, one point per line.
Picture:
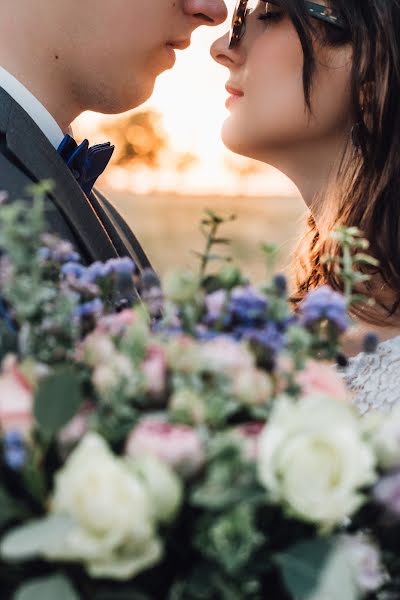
115	49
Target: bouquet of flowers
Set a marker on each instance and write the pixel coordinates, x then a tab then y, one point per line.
191	441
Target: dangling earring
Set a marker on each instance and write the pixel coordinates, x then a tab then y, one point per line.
356	135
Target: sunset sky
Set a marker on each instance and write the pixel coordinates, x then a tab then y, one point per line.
191	99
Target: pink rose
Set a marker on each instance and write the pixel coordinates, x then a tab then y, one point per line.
250	435
16	399
73	431
155	369
115	324
177	445
226	355
320	377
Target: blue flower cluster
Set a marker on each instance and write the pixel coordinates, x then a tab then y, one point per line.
324	303
14	450
247	307
56	250
88	277
244	315
99	270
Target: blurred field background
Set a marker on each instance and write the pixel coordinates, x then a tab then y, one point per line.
170	164
167	226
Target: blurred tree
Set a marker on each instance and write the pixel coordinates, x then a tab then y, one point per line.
243	167
185	161
139	138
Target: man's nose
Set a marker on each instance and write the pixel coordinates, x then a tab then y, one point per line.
206	12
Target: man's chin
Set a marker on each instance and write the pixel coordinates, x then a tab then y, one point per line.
129	101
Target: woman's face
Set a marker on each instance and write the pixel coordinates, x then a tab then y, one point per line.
268	112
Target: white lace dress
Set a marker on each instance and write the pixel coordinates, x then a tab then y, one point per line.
374	379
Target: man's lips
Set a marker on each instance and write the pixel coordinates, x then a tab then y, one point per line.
179	44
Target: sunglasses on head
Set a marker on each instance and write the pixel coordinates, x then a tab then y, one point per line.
318	11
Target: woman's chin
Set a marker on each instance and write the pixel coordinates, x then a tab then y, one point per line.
229	135
234	141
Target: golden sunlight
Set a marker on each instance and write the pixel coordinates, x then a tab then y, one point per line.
191	101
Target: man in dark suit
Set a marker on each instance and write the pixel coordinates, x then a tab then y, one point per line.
60	58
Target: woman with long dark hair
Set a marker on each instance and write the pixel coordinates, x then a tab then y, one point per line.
315	92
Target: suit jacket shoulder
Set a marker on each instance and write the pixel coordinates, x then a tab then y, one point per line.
27	156
117	225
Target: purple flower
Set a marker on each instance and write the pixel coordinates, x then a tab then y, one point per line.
60	251
325	303
247	306
387	493
73	269
14	450
95	271
44	253
271	337
89	309
124	265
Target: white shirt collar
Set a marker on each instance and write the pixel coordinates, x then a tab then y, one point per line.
35	109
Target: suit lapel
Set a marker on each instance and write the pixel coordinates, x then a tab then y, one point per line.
29	145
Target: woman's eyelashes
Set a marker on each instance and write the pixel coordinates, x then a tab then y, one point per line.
268	13
270	16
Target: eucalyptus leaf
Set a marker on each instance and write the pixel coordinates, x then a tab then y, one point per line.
337	581
301	566
35	538
57	400
55	587
318	569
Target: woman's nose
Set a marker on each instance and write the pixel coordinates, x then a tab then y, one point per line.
206	12
223	55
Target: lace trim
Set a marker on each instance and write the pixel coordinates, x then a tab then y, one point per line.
374	379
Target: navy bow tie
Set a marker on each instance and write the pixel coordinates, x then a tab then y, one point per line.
86	164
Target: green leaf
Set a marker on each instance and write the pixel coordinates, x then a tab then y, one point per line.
33	538
302	565
47	588
337	581
57	400
224	241
9	509
318	569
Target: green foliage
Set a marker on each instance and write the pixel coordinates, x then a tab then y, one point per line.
209	228
313	569
10	510
229	479
27	541
230	539
41	310
57	399
353	265
47	588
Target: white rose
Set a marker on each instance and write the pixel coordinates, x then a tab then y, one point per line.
386	439
252	386
107	376
313	459
163	485
113	529
97	348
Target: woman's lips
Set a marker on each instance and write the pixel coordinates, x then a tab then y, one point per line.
234	96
